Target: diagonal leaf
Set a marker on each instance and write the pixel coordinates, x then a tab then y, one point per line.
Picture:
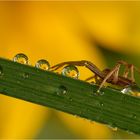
69	95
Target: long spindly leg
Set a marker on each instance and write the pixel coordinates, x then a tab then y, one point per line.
129	67
90	78
116	68
77	63
95	77
85	63
132	73
116	75
126	72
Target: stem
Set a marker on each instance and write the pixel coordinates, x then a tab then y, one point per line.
69	95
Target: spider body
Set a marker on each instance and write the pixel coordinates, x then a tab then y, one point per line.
121	81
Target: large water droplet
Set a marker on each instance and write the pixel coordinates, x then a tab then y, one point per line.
43	64
21	58
62	90
71	71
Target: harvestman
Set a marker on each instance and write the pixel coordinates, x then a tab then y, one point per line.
107	75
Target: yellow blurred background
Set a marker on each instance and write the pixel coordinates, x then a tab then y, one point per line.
101	32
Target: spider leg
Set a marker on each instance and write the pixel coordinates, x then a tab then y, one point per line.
95	77
132	72
116	75
85	63
129	67
76	63
91	77
126	72
116	68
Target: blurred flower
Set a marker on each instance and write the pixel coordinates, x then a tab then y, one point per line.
60	31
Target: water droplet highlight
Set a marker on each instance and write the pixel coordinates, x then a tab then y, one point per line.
43	64
71	71
21	58
62	90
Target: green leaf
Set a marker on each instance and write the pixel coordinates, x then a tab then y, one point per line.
76	97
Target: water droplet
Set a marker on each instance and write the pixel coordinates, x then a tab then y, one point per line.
99	92
62	90
126	90
21	58
101	104
25	75
134	116
113	127
71	71
43	64
1	71
70	99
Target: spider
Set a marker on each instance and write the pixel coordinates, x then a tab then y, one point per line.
107	75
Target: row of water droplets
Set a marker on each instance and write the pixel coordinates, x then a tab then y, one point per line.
69	70
43	64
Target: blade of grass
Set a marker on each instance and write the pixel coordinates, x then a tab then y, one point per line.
69	95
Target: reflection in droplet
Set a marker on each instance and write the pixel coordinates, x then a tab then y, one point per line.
62	90
42	64
71	71
21	58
